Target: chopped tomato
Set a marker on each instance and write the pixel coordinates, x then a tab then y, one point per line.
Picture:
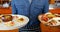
45	18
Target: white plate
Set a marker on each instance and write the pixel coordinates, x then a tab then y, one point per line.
17	24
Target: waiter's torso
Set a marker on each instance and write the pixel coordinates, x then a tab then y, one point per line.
32	10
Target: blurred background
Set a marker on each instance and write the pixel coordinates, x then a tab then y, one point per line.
5	5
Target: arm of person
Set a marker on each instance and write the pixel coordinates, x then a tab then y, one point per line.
13	7
46	6
45	10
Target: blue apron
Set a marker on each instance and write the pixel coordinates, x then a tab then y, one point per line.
31	10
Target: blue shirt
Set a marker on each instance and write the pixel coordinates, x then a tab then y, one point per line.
30	1
37	7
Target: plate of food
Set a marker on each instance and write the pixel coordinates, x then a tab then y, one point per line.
54	21
50	19
11	21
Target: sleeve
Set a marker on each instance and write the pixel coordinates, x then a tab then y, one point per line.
13	7
46	6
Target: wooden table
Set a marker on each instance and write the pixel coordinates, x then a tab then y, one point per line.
55	10
45	28
15	30
5	10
